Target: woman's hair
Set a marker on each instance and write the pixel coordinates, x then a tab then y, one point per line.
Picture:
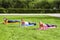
41	24
5	19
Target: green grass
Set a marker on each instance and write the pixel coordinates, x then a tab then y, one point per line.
16	32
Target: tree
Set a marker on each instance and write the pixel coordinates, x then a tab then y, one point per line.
57	4
43	5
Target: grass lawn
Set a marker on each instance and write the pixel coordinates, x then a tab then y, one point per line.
16	32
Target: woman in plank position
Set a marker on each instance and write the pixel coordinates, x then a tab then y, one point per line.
10	21
43	26
24	23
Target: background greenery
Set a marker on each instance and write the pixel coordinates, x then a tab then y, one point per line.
30	6
17	32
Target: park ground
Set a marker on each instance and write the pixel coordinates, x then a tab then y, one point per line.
14	31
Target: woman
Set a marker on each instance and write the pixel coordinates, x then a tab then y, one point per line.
24	23
10	21
43	26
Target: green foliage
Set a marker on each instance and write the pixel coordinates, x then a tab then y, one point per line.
30	5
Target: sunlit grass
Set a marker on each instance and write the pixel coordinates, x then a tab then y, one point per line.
17	32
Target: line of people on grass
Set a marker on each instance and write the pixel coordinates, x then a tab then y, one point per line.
42	26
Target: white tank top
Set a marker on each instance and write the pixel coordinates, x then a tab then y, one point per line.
26	23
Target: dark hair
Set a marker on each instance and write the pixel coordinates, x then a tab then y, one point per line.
5	18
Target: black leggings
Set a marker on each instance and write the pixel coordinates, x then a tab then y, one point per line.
12	21
32	23
51	25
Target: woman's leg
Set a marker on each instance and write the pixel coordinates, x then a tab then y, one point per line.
32	23
51	26
54	25
11	21
48	25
